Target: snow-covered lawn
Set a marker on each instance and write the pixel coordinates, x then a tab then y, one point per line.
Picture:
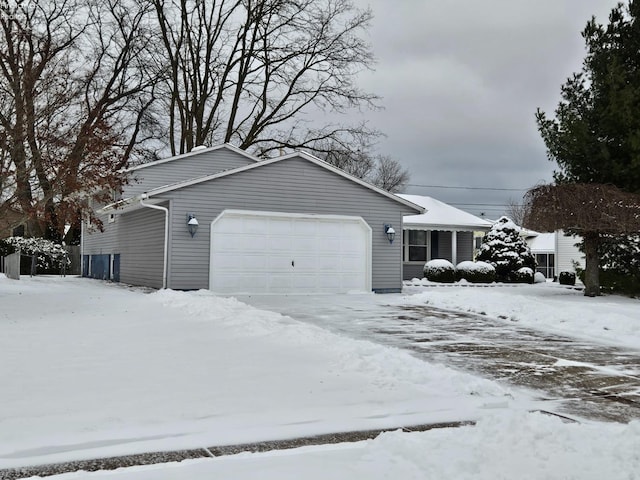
89	369
611	319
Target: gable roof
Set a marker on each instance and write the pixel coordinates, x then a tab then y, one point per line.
441	216
195	151
413	207
542	242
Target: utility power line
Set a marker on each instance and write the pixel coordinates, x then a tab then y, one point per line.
469	188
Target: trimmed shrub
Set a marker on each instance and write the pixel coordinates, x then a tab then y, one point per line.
539	278
475	272
441	271
567	278
522	275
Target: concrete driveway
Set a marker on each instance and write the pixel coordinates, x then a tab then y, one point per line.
575	377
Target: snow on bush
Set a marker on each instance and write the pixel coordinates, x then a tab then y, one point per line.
567	278
539	278
440	270
506	250
47	253
475	272
522	275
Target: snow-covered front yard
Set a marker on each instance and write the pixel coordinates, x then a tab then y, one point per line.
89	369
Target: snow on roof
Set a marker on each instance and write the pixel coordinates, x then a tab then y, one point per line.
542	242
441	215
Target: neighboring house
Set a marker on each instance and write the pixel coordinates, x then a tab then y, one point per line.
8	220
442	231
292	224
555	252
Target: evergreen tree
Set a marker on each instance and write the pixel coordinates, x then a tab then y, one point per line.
506	250
595	135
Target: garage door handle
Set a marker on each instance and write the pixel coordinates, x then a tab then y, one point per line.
293	264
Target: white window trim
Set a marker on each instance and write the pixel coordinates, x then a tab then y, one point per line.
405	248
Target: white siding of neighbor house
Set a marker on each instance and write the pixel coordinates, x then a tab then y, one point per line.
567	253
183	168
292	185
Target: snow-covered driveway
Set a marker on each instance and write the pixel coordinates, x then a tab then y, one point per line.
577	377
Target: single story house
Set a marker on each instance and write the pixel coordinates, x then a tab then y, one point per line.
555	252
442	231
221	219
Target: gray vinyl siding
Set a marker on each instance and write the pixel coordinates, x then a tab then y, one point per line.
412	270
184	168
464	250
294	186
444	245
139	239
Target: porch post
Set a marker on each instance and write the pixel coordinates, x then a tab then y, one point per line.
454	247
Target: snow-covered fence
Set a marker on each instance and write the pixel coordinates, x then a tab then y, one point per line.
12	266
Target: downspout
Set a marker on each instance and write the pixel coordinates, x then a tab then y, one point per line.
143	197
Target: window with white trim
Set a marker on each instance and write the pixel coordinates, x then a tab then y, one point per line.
546	263
415	244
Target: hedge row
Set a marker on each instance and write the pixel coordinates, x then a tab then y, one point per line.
443	271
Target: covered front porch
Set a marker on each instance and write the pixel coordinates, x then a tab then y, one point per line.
419	246
441	232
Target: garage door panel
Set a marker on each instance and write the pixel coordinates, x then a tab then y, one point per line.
253	252
305	227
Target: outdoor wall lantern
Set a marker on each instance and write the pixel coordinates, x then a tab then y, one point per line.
391	233
192	224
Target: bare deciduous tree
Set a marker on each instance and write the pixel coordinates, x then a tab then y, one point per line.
517	211
74	92
389	175
251	71
381	171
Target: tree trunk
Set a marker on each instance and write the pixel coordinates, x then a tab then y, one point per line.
592	268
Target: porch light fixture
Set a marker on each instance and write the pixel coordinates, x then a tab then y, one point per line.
391	233
192	224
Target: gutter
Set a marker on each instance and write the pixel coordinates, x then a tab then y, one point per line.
142	198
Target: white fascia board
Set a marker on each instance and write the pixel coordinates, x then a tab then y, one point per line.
128	204
261	163
446	228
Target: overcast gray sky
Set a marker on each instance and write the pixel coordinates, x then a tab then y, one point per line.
461	80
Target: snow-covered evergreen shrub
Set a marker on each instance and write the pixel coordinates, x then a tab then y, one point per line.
539	278
48	254
506	250
522	275
475	272
439	270
567	278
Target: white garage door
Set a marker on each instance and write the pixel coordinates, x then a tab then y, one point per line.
260	252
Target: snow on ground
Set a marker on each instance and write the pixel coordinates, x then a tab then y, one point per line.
89	369
507	446
609	319
92	369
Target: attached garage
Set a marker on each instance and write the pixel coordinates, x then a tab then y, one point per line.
275	252
287	225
